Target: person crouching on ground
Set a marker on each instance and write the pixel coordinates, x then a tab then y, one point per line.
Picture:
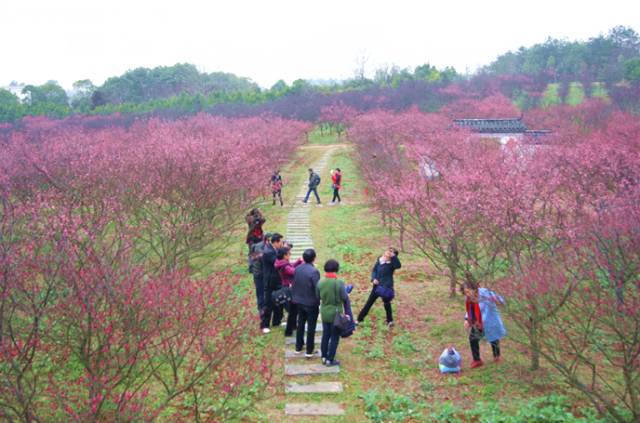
382	276
333	296
286	270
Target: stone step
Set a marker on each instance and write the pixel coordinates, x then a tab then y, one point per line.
313	388
292	354
314	409
309	369
291	340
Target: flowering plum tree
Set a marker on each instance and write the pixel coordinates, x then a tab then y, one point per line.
102	316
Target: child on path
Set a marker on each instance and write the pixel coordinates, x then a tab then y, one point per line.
333	296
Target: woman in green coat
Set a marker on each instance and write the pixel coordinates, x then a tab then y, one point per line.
332	299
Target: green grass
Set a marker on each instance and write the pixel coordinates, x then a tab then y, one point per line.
575	95
391	374
550	97
325	137
598	89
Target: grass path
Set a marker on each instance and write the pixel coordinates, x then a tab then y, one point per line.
391	374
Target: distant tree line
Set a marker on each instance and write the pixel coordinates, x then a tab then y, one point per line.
606	65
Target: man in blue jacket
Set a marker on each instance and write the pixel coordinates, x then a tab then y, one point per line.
306	296
314	181
382	274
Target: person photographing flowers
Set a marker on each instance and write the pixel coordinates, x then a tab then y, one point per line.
382	280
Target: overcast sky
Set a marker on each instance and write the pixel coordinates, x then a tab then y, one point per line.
267	40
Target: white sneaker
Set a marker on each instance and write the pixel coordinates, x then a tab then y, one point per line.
390	324
266	330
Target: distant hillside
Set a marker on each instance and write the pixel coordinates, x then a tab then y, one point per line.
142	84
545	74
607	58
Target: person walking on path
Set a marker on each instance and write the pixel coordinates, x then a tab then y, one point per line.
314	181
271	283
382	276
336	178
255	265
276	187
333	297
306	295
287	270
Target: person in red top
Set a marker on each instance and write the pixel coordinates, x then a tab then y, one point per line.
473	322
287	270
336	178
255	219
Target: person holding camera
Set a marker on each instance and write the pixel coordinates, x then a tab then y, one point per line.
382	279
255	219
272	282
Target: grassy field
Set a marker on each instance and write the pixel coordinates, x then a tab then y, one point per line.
391	374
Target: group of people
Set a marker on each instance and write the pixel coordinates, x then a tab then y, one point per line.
298	288
482	320
313	183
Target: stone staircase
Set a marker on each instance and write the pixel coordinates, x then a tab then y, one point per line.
299	234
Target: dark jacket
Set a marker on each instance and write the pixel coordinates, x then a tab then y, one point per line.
255	232
255	258
305	285
384	272
270	276
314	180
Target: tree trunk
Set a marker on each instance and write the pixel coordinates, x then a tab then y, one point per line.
535	346
402	233
453	280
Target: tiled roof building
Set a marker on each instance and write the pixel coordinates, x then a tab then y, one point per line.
493	126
